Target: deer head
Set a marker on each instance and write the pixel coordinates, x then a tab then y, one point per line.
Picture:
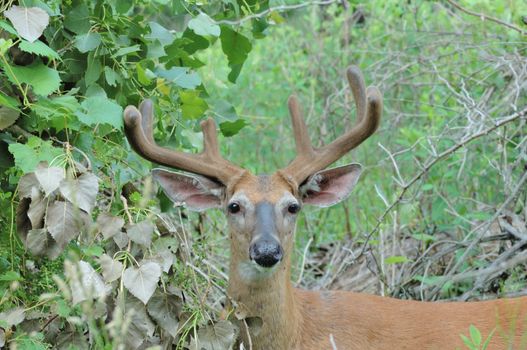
261	210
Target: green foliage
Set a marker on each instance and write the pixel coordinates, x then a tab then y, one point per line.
475	341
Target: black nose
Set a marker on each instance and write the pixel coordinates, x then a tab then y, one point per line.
265	253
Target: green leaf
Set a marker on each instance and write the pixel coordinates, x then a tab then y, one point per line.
28	155
191	42
203	25
33	341
424	237
236	47
160	33
87	42
38	48
487	341
144	75
235	72
475	335
5	45
93	250
111	76
58	111
78	19
396	259
428	187
194	138
8	101
93	71
181	77
225	110
43	80
467	342
8	27
101	110
126	50
229	129
10	276
192	105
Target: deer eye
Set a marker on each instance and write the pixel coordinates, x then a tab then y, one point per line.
293	208
233	208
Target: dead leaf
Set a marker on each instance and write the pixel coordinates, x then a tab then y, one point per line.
66	340
121	239
36	209
218	336
64	222
85	283
111	269
142	281
23	224
8	116
49	178
165	309
29	22
37	241
81	191
13	317
141	232
141	327
109	225
26	184
164	251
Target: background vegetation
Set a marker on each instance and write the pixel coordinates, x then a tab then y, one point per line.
440	212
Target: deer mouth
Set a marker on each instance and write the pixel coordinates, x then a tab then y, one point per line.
250	271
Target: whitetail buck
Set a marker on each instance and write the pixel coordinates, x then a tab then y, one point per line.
262	212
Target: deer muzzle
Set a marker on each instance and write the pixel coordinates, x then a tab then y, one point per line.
265	248
266	253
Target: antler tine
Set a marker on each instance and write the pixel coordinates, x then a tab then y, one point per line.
310	160
147	115
138	130
358	89
302	140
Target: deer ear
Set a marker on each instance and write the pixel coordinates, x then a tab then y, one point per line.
197	192
328	187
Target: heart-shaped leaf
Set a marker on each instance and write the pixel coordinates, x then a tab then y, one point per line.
141	232
164	309
142	281
29	22
81	191
111	269
49	178
64	222
218	336
109	225
85	282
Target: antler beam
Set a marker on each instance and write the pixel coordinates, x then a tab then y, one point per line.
209	163
309	159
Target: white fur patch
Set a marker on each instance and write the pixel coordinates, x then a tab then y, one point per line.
250	271
312	185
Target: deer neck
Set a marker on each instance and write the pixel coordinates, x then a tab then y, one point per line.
270	299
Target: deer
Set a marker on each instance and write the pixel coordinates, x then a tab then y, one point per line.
262	211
